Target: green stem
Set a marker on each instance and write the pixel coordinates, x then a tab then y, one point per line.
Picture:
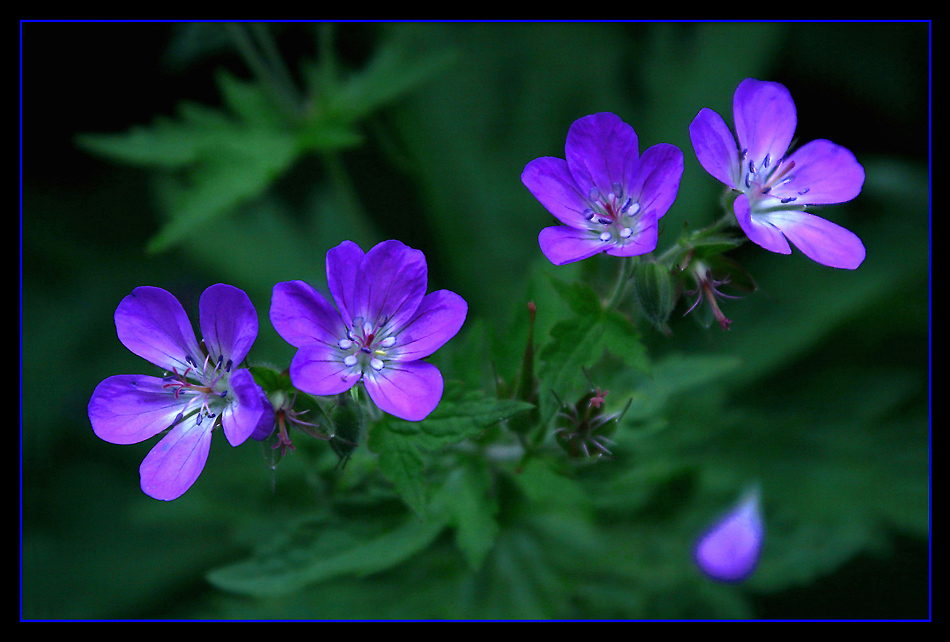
627	265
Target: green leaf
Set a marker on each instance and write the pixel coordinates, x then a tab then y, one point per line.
316	551
392	73
240	165
401	444
467	500
401	461
579	343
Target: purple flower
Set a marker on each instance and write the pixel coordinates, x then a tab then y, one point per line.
775	186
607	196
384	323
202	390
729	551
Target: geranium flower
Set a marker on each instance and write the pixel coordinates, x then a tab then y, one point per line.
729	551
384	323
202	390
775	186
607	196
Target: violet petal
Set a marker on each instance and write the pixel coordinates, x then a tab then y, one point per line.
562	244
830	173
657	179
820	240
729	551
343	264
301	315
392	280
318	369
643	239
173	465
549	180
408	390
601	151
765	119
715	146
228	322
439	318
152	324
127	409
758	229
243	414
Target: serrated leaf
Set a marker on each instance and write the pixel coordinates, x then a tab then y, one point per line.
241	165
579	343
249	102
390	74
401	444
466	500
401	461
321	553
453	422
579	297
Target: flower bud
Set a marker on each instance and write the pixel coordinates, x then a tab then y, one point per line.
348	425
729	550
656	293
710	275
583	430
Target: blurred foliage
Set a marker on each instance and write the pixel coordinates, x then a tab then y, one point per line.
190	153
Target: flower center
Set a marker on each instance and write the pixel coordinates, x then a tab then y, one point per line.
365	345
202	388
760	179
611	217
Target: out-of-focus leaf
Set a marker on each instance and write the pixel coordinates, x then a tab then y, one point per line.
392	73
466	498
314	552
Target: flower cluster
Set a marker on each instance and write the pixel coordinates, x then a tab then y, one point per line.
384	326
609	199
379	324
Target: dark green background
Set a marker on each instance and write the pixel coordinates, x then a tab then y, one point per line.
439	169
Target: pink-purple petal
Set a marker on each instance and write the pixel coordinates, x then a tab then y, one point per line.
601	151
152	324
127	409
758	229
715	147
173	465
391	282
657	179
549	180
439	318
301	315
343	263
319	370
243	414
830	173
642	241
562	245
765	119
228	322
820	240
408	390
729	551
